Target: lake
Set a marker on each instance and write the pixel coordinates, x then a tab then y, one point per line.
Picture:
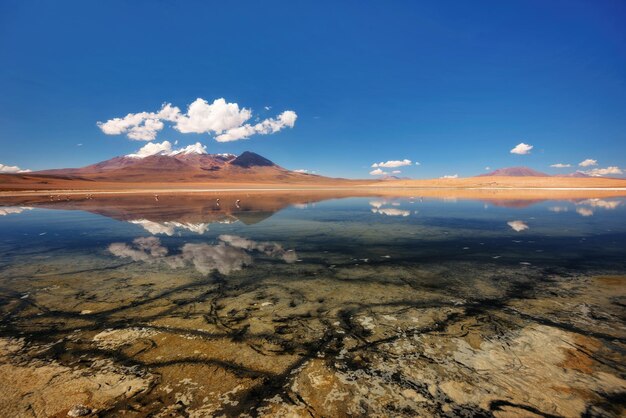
251	304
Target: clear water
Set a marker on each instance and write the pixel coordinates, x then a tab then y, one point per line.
343	307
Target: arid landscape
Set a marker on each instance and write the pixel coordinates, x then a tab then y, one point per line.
206	172
318	209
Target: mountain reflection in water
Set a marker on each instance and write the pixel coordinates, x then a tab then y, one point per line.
314	303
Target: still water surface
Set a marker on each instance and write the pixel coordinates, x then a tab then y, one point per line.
376	306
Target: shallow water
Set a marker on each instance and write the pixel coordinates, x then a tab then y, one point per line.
370	306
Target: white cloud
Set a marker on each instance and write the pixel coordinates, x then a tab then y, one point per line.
216	117
522	149
450	176
268	126
165	148
142	126
226	121
417	163
301	170
396	172
12	169
378	172
196	148
558	209
560	165
392	163
584	211
518	226
588	163
487	168
153	148
599	172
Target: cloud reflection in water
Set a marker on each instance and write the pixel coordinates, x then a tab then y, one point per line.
232	253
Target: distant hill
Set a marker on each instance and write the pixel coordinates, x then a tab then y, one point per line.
576	174
515	172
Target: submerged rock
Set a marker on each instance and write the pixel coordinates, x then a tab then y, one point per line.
79	411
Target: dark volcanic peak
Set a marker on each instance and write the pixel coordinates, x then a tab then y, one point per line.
249	159
515	172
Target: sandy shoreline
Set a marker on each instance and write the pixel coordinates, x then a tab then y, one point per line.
39	189
356	190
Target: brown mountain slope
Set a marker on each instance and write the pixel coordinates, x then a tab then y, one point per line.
190	167
195	170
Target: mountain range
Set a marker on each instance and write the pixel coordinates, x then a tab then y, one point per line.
527	172
182	167
193	168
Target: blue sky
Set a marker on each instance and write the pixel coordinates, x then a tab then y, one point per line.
454	85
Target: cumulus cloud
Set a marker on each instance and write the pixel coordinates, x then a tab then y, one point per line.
599	172
396	172
268	126
142	126
12	169
165	148
378	172
219	116
153	148
558	209
588	163
584	211
450	176
560	165
196	148
521	149
392	163
225	121
518	226
301	170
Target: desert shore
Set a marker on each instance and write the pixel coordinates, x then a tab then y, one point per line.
32	189
34	183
